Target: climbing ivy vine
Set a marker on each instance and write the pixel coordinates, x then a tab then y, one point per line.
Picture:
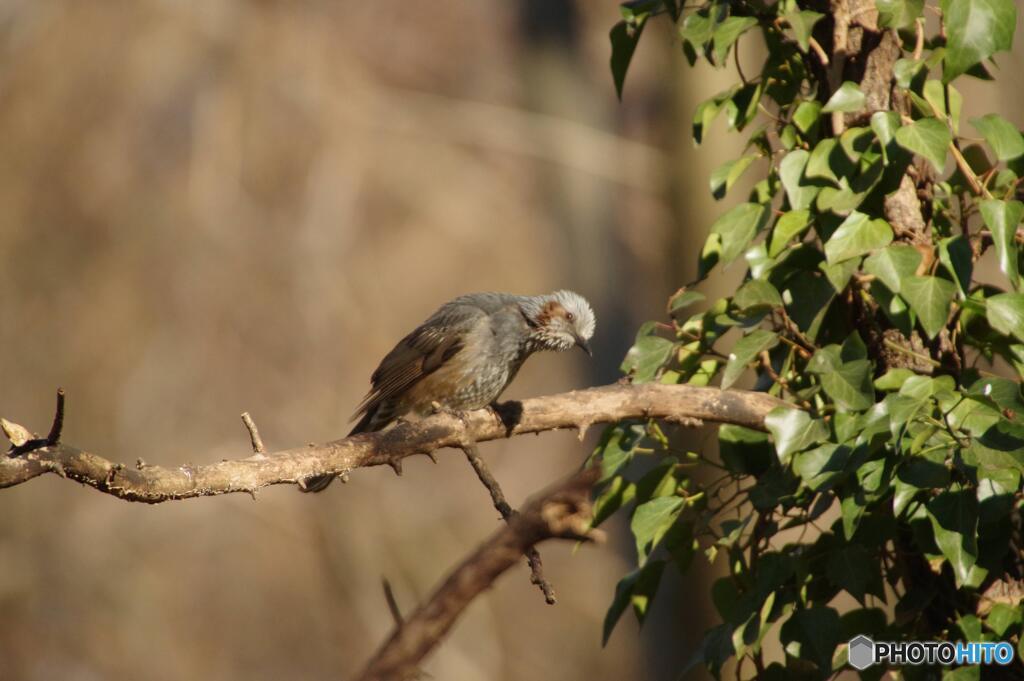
883	299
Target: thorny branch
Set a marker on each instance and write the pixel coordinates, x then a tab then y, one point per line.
254	434
561	512
577	409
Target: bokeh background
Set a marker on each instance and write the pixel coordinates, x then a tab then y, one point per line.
210	206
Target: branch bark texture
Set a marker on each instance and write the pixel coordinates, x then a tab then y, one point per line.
577	409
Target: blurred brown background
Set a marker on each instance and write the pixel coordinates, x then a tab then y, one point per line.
217	206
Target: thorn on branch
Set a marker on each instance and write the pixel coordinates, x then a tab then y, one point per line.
396	464
58	420
389	596
112	473
254	433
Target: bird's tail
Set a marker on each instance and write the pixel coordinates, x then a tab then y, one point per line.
318	483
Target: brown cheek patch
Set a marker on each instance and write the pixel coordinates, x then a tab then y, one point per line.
550	310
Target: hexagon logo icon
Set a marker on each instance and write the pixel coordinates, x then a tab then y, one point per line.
860	652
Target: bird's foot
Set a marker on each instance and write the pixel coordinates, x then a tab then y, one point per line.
438	408
508	413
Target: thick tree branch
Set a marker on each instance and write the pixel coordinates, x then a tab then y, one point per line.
562	511
577	409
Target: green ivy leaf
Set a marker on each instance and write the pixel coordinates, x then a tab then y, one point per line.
738	227
791	171
820	466
917	473
617	447
932	100
638	588
954	518
855	141
850	386
897	14
850	568
1005	313
839	274
928	137
788	227
660	481
858	234
847	99
851	509
624	37
965	673
651	520
976	29
811	298
744	352
1002	135
885	124
929	298
893	264
805	117
704	115
893	379
684	299
812	635
648	354
905	70
793	430
742	105
1002	218
802	23
616	494
756	294
1002	617
725	176
956	256
645	588
697	29
828	162
728	32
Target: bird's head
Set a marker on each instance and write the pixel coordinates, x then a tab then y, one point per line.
559	321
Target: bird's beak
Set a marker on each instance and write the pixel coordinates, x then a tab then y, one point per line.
583	345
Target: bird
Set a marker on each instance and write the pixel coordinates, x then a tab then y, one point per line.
465	355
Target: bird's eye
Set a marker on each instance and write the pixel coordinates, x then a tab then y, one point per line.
570	316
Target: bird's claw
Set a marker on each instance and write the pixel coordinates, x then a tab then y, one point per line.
438	408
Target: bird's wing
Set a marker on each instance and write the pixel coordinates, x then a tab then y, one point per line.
422	352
